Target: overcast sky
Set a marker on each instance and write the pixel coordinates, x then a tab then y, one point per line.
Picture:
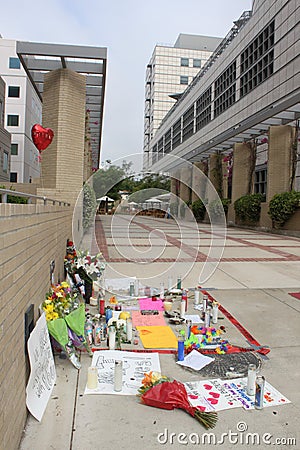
129	29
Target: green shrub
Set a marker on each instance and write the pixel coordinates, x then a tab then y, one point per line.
247	208
282	207
199	209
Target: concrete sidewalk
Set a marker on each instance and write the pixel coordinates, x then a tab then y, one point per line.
253	281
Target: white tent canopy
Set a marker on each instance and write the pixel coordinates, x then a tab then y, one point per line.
105	199
153	200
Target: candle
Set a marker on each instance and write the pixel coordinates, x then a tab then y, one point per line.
182	308
180	354
197	296
215	310
118	376
129	329
179	282
251	379
162	291
92	379
112	338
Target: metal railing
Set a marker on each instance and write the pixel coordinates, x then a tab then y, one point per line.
5	192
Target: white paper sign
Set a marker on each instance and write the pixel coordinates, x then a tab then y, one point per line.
195	360
43	375
238	386
217	394
211	395
135	365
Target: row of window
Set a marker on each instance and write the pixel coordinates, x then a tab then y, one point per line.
184	62
257	64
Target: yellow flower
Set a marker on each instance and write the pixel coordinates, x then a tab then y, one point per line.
59	294
49	316
49	308
55	315
64	284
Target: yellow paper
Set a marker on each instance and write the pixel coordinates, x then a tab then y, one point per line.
157	337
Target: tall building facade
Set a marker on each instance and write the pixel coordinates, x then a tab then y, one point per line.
23	110
249	85
4	138
169	71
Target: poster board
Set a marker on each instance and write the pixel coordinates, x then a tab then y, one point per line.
135	365
42	374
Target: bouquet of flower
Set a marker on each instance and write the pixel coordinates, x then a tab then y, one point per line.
92	264
65	315
161	392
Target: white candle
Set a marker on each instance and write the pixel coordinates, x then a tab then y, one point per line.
92	380
170	283
215	310
182	308
251	379
197	297
112	338
118	376
129	329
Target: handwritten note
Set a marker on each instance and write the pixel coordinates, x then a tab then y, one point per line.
134	366
144	320
43	375
148	303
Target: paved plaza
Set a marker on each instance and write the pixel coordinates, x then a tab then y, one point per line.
253	281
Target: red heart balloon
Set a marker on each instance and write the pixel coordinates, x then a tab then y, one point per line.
42	137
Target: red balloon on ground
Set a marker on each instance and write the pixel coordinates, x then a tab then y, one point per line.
42	137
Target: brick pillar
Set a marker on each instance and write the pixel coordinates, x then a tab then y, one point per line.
215	173
242	154
64	112
185	184
199	181
279	159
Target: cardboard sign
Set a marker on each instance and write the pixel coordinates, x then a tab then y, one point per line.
43	375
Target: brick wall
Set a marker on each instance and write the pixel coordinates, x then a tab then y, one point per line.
31	237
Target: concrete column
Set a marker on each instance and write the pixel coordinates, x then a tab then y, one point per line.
225	179
185	184
64	112
215	173
279	159
199	181
242	154
173	186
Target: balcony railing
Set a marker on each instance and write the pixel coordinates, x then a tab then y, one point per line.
31	197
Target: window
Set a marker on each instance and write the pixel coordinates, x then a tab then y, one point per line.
257	60
12	120
13	91
5	162
196	62
13	177
184	62
225	90
260	181
203	109
14	149
184	79
188	123
14	63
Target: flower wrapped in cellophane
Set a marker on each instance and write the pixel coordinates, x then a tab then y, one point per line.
65	315
160	391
